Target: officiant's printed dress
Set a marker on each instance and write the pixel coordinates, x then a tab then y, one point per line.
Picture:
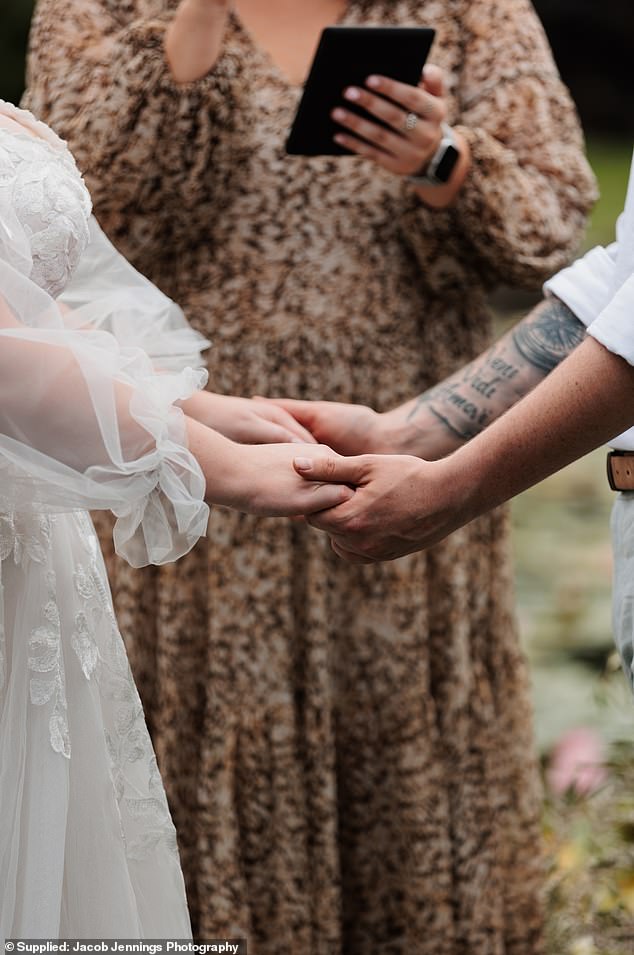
347	750
87	845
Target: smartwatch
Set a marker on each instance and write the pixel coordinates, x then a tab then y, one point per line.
439	168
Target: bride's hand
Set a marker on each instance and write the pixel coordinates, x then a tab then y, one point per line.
349	429
260	479
246	421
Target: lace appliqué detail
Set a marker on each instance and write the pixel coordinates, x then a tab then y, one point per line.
45	659
94	639
83	639
3	645
51	203
146	821
153	814
23	538
27	539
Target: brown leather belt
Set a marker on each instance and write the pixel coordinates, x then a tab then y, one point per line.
621	470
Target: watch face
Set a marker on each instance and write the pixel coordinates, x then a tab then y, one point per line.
446	165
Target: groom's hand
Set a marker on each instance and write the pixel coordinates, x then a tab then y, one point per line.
401	504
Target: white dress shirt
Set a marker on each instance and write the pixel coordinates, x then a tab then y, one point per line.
599	289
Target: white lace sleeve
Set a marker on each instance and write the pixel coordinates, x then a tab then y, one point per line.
85	421
106	292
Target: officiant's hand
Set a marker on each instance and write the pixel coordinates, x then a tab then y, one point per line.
401	504
401	129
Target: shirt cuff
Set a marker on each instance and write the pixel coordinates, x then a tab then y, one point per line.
586	285
614	326
614	329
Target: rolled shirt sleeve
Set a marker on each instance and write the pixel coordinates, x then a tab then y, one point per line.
614	326
586	285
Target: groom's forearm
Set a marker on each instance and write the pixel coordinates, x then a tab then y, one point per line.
585	403
460	407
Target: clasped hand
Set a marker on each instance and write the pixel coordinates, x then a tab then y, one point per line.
401	504
373	506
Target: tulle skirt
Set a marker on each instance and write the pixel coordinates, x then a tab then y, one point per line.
87	845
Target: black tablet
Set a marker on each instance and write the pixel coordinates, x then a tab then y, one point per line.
346	56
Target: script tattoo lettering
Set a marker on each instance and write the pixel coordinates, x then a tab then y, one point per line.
472	398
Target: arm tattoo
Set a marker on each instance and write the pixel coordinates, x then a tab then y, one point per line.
448	403
550	337
473	397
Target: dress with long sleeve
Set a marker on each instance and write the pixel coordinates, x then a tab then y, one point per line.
347	750
87	845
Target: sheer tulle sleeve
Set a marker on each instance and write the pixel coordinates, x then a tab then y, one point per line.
85	420
107	293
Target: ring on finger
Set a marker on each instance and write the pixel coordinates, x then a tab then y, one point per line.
410	121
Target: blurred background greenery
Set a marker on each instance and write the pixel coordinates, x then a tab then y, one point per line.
562	550
563	580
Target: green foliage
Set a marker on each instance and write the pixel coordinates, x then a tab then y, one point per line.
590	845
610	159
563	562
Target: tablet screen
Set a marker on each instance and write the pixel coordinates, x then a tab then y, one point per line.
346	56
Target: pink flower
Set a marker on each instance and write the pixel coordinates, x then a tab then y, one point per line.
578	763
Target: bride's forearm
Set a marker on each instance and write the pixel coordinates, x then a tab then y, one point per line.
194	38
219	459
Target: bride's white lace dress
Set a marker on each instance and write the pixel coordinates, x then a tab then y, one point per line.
87	846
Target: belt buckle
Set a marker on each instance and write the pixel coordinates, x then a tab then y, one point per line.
610	458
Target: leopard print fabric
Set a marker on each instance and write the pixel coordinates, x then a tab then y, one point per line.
347	750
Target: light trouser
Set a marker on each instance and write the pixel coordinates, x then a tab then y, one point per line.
622	524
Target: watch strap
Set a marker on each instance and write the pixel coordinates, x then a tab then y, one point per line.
447	151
